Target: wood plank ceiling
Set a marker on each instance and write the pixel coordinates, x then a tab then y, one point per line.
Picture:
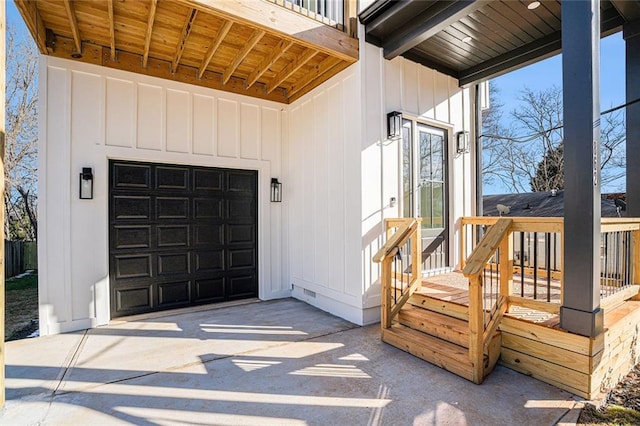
250	47
476	40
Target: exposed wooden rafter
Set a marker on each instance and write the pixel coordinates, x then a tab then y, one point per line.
269	60
263	14
215	43
250	44
147	38
112	29
73	23
186	30
29	11
293	66
313	74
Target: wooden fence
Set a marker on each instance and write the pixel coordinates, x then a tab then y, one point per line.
19	256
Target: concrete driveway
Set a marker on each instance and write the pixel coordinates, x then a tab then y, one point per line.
279	362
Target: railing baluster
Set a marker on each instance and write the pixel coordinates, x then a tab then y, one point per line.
547	263
535	266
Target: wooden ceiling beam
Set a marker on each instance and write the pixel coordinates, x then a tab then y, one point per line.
427	24
147	37
29	12
313	74
215	43
293	66
132	62
112	29
73	23
250	44
268	61
186	30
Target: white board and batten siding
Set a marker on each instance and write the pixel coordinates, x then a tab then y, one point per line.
323	191
429	97
89	115
328	148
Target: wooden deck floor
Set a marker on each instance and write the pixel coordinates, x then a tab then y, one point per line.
453	287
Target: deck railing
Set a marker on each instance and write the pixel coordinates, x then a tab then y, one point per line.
400	259
537	257
335	13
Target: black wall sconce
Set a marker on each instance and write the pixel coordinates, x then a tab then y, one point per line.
86	184
462	142
394	125
276	191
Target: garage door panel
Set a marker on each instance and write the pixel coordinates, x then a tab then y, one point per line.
209	261
241	182
209	290
208	180
135	298
207	208
173	293
131	237
241	258
128	176
241	286
241	210
180	236
173	263
173	236
172	208
241	234
208	235
174	178
133	266
132	207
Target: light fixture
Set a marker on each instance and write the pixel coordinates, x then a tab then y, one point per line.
276	191
533	5
394	124
86	184
462	142
467	39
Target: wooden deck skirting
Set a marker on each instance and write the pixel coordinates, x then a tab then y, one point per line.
533	343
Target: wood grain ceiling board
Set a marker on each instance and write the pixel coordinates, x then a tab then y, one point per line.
181	36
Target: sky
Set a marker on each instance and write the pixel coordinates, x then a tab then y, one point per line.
547	73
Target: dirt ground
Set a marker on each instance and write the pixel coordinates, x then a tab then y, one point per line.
622	406
21	313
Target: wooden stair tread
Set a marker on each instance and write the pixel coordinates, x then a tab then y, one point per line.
447	355
445	327
450	308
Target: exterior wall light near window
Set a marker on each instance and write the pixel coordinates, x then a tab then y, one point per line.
276	191
462	142
394	125
86	184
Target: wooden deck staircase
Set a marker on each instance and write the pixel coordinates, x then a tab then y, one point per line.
440	338
462	338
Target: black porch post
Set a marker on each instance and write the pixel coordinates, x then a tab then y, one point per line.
580	312
631	33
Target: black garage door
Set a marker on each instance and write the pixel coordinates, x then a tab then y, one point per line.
180	236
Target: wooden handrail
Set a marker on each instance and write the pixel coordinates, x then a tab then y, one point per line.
393	296
396	239
487	247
